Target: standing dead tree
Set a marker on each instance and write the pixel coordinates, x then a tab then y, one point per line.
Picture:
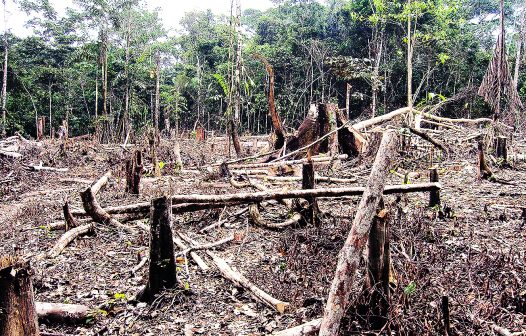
497	86
276	122
349	257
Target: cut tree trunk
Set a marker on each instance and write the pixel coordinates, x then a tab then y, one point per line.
501	148
349	256
484	170
434	196
133	173
68	237
162	271
311	213
17	304
383	118
70	221
378	267
308	329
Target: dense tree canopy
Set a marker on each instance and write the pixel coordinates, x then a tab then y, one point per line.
97	63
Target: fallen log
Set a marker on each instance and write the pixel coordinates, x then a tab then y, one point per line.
307	329
61	313
198	260
207	246
68	237
428	138
256	217
386	117
13	155
287	194
319	158
240	280
459	121
349	256
318	178
43	168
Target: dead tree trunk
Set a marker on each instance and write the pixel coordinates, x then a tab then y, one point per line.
235	138
154	142
133	173
61	313
17	304
377	280
311	213
349	256
162	270
276	122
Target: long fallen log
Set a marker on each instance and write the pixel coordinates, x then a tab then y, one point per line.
240	280
459	121
290	162
196	257
287	194
349	256
386	117
61	313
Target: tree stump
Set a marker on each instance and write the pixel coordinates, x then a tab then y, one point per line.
162	269
484	170
501	148
18	314
378	264
133	173
434	196
308	182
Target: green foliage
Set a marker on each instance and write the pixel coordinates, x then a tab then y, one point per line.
410	289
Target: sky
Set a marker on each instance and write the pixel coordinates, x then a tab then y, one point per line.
171	11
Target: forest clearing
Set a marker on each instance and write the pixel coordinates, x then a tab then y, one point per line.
165	192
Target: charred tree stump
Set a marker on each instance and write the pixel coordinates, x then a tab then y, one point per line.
501	149
311	213
445	315
378	263
349	256
133	173
18	314
434	196
162	269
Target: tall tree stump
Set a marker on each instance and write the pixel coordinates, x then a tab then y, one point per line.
484	171
162	269
378	265
434	196
309	182
17	304
133	173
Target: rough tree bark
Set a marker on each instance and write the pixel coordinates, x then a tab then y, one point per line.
17	304
349	257
162	271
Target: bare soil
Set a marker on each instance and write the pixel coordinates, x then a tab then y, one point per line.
472	249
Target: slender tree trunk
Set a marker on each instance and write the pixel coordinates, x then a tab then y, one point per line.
157	88
376	72
409	59
349	256
3	129
520	41
126	121
50	112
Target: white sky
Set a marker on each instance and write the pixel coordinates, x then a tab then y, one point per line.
171	11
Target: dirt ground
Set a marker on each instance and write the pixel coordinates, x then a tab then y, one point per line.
472	249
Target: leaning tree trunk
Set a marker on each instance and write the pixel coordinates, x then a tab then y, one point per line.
276	122
162	270
349	257
17	305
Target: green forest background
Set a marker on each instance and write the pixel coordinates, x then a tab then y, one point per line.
316	49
